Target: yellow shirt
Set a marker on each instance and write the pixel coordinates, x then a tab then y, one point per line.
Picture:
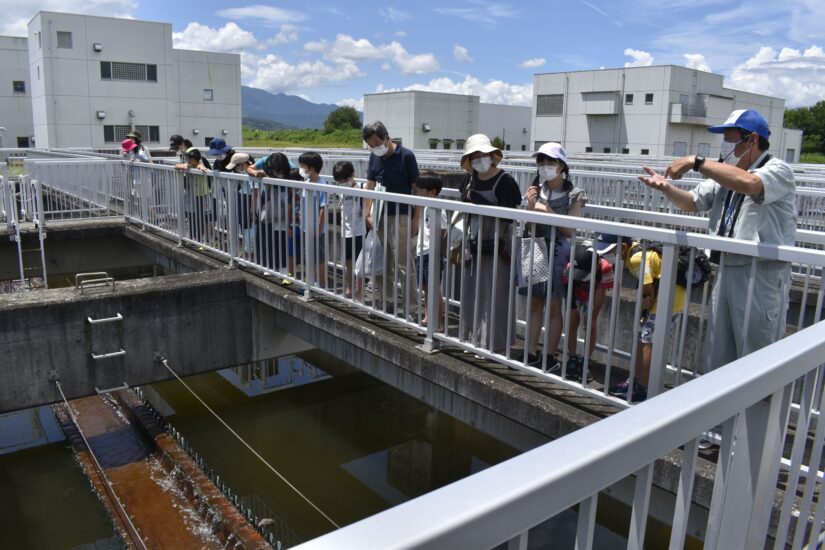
653	271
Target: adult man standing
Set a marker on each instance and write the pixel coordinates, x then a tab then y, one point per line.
395	167
750	196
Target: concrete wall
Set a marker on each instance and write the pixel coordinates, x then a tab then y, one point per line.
600	114
15	107
69	90
790	147
509	122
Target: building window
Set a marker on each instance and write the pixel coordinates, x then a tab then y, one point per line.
22	142
18	86
447	143
645	151
38	72
434	143
523	147
625	151
648	99
114	70
507	147
550	105
117	133
64	39
628	99
208	95
704	150
39	41
588	149
459	143
605	149
207	141
679	148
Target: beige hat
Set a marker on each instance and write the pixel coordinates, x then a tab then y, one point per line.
237	158
479	143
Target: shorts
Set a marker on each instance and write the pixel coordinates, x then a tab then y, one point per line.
353	246
649	325
582	307
561	255
422	267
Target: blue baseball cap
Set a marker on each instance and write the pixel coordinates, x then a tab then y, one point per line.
218	146
746	119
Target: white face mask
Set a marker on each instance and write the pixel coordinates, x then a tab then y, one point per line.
481	165
379	151
726	150
547	173
304	173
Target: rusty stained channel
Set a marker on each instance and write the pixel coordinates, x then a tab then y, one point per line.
169	501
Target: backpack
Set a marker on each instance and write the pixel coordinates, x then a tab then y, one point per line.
701	265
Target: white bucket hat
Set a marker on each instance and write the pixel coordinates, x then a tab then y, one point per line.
479	143
553	150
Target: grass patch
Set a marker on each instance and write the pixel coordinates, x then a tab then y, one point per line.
350	138
812	158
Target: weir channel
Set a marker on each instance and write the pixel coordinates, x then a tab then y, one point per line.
191	310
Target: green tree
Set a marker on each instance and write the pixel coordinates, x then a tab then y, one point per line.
497	142
811	120
342	118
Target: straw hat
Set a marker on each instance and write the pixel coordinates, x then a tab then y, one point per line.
479	143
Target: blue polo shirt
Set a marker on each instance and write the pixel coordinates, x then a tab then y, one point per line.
397	173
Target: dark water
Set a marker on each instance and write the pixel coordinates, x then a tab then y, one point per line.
46	503
351	444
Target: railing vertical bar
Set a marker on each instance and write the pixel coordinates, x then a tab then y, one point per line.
684	495
641	505
811	481
586	524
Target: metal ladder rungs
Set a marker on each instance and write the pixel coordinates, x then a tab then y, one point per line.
98	357
98	391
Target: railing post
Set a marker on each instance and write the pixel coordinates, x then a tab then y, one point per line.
434	278
180	183
664	307
232	217
310	220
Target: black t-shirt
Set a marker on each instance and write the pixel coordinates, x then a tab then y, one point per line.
220	165
397	173
508	194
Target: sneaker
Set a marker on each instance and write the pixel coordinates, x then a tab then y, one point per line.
620	390
553	364
575	367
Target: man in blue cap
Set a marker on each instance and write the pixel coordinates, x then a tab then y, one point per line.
750	195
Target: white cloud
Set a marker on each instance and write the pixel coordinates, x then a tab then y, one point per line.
594	8
532	63
461	54
385	66
269	15
18	13
287	35
229	38
357	104
482	12
640	58
401	34
394	14
347	48
492	91
274	74
697	61
798	77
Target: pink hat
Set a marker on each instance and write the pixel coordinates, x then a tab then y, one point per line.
127	145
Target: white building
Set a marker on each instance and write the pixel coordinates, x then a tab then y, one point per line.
656	110
432	120
16	129
94	79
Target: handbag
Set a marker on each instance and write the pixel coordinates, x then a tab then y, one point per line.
451	241
534	265
370	261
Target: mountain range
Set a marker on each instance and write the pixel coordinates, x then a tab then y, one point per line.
265	111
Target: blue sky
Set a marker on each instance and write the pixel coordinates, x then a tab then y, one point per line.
334	52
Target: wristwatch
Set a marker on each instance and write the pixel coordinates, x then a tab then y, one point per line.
698	162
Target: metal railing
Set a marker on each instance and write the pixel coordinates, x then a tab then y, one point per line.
263	224
749	398
276	226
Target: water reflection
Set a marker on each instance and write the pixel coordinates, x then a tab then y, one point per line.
352	445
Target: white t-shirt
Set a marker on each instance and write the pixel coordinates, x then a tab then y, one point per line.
423	243
353	214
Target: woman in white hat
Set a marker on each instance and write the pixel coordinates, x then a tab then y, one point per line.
486	184
553	192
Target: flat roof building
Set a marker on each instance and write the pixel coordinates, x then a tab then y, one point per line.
656	110
94	79
16	129
434	120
